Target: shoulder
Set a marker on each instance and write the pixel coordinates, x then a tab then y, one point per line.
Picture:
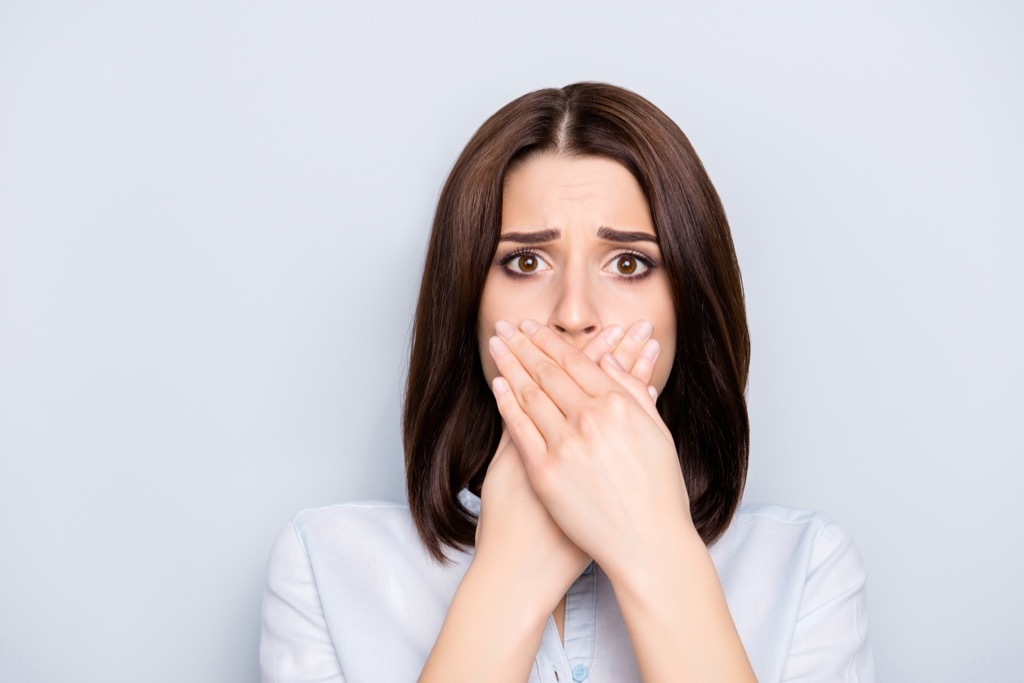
296	640
350	519
766	516
785	546
347	536
759	527
351	547
327	535
373	521
795	583
352	583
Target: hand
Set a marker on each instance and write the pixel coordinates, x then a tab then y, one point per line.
515	532
596	452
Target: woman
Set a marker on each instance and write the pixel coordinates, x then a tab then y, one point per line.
576	443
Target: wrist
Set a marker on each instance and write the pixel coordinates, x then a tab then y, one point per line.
520	600
485	630
671	558
535	580
674	603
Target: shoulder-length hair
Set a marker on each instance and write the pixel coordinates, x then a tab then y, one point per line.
451	424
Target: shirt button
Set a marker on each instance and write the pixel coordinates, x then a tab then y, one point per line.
579	673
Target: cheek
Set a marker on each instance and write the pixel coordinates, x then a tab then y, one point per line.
663	366
663	314
486	362
504	299
487	316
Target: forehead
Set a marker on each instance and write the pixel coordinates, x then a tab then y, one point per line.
550	189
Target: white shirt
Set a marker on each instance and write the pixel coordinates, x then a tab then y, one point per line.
353	596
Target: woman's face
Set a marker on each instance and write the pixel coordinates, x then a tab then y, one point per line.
577	252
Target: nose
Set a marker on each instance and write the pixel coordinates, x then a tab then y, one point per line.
575	315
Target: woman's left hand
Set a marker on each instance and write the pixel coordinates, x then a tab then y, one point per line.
596	451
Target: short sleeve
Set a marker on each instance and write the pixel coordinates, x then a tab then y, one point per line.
295	645
830	641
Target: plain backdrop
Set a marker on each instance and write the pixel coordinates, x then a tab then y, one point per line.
213	218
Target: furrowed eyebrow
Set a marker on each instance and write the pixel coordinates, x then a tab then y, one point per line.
612	235
605	233
539	237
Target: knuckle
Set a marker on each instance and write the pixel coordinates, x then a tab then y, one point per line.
617	399
618	402
547	371
588	422
532	394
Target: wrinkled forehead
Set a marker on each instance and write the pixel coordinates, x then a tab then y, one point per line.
557	192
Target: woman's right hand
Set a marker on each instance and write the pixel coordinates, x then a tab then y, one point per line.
515	533
523	563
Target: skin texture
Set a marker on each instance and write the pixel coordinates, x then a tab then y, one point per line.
577	285
507	485
579	282
586	468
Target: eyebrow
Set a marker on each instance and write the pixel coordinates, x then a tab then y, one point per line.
605	233
539	237
612	235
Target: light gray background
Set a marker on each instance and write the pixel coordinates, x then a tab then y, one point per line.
212	221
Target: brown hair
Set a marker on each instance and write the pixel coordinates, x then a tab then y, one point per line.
451	424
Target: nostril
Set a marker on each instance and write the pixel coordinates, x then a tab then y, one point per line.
588	330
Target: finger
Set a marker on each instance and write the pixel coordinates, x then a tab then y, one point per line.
586	374
531	399
629	349
543	370
646	396
603	343
637	389
522	430
643	369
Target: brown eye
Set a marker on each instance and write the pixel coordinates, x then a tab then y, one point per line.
627	265
527	263
523	263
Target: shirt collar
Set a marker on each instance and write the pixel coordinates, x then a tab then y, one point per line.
470	501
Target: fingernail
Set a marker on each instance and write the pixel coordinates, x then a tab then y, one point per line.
529	327
504	329
643	330
614	334
500	386
497	346
650	350
653	392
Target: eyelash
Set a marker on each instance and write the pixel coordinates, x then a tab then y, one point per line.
629	253
648	263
